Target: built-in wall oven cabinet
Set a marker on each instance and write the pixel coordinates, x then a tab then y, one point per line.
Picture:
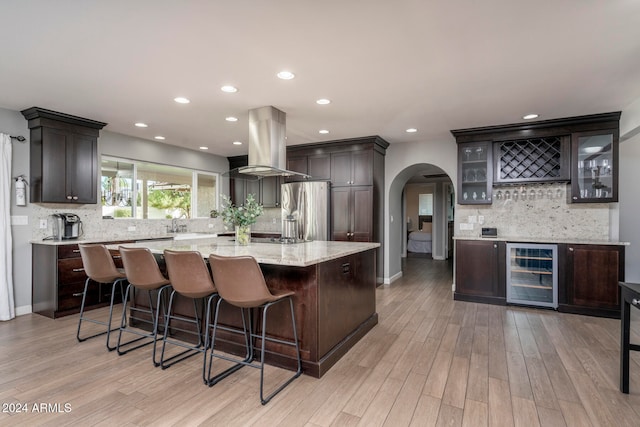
532	274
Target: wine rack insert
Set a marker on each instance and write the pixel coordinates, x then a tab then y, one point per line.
532	160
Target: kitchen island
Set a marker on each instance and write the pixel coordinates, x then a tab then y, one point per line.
334	285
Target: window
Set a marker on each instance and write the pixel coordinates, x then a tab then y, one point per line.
425	204
160	191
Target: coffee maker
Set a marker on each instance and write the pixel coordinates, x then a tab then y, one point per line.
66	226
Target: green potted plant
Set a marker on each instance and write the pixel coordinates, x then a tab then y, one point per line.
241	217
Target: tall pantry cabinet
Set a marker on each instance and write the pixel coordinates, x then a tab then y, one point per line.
355	168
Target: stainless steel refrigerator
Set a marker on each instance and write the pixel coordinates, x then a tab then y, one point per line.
306	210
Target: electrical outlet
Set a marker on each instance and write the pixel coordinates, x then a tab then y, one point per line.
274	220
210	225
481	219
43	223
472	219
131	228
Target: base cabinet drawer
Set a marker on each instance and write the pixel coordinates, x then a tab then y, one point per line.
58	279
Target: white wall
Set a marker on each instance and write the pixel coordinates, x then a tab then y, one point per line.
629	192
402	161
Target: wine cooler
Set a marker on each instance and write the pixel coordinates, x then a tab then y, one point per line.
532	274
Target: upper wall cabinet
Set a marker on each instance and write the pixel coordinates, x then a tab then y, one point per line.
582	150
63	157
595	175
474	173
544	159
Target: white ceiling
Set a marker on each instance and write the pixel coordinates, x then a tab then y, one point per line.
386	65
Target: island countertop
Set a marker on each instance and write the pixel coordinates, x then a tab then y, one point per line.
296	254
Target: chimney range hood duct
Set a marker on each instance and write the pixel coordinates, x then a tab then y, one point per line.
267	146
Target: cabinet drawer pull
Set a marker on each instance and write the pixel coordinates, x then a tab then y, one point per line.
75	197
495	245
69	197
76	251
79	294
77	270
570	249
116	256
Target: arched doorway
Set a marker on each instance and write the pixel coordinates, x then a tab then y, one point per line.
402	217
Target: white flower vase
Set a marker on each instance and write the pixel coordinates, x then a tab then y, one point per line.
243	235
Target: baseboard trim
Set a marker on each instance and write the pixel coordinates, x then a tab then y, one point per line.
25	309
393	278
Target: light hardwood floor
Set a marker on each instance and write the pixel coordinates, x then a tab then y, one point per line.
430	361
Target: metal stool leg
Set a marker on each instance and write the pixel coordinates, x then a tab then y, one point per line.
108	324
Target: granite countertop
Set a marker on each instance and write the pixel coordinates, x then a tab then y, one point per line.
550	240
104	239
298	254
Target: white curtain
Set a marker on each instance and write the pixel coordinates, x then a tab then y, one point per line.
7	309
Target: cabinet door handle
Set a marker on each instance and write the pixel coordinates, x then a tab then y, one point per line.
77	270
570	249
116	256
75	197
79	294
76	251
575	197
495	245
68	197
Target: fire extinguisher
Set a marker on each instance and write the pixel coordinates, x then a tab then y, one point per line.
21	191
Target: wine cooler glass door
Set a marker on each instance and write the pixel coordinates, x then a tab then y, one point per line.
532	277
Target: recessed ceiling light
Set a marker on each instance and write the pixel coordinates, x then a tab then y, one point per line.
531	116
285	75
323	101
229	89
181	100
141	125
412	130
159	137
231	119
323	131
237	143
204	148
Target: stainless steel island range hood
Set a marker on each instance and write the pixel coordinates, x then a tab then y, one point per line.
267	146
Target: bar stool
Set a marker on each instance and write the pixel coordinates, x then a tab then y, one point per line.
240	282
190	278
143	274
100	268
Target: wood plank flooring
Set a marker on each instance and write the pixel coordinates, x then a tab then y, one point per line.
430	361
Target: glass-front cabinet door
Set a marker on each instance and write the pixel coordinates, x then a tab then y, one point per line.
475	173
594	167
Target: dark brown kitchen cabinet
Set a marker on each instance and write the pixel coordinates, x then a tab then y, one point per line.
355	168
351	213
582	150
589	276
352	168
266	190
475	173
317	166
58	280
63	157
594	176
480	271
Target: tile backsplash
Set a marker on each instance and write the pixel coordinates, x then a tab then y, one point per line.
95	227
535	211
